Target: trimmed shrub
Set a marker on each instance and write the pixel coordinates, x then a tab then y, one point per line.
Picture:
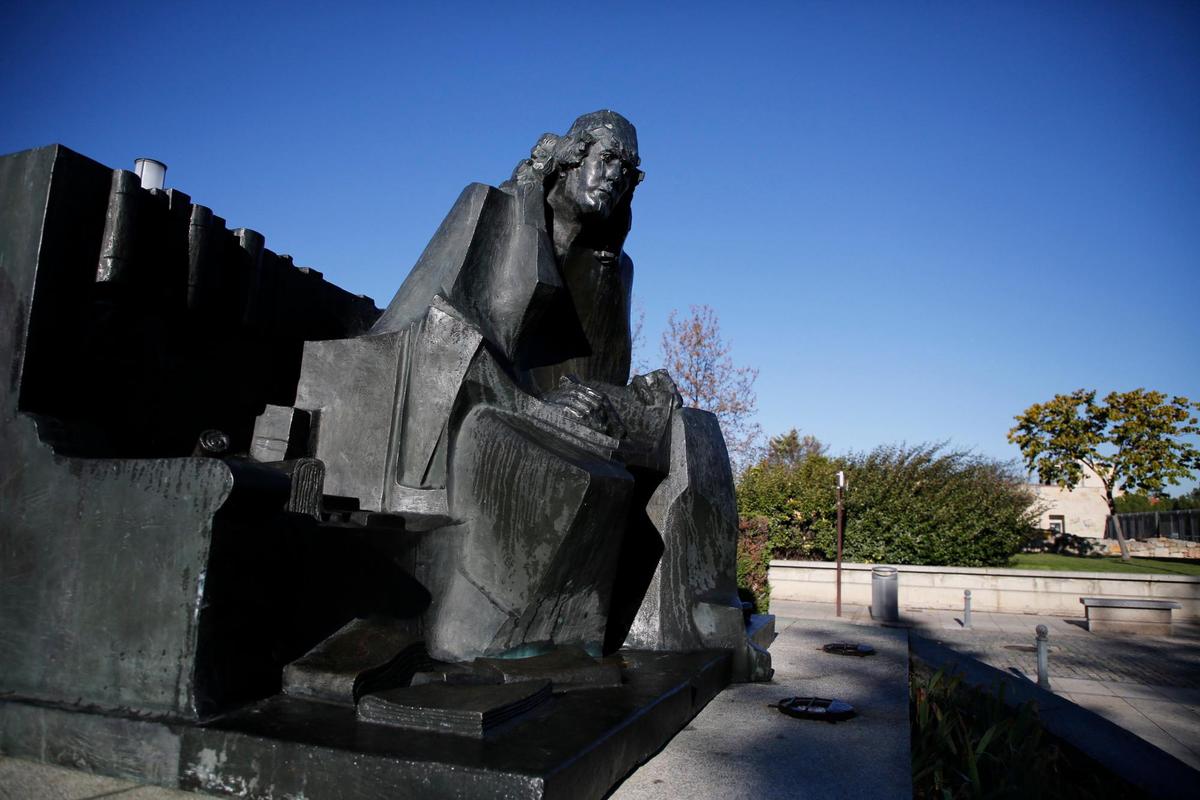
921	504
752	561
795	502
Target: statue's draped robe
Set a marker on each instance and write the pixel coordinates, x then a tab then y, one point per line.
543	501
528	528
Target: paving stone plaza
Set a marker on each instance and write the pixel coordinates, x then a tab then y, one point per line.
1148	685
739	748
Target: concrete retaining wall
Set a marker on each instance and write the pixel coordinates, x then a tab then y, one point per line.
1006	590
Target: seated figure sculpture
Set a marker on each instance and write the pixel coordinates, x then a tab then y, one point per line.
549	499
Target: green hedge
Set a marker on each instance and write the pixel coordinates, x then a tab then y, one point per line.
921	504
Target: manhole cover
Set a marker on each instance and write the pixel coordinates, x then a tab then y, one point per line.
1022	648
849	649
815	708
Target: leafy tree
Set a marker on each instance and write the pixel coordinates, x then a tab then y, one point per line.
789	449
699	361
1136	503
1189	500
1130	440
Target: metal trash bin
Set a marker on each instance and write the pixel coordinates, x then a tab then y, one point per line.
885	607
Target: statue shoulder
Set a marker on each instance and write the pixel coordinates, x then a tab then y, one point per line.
471	202
478	207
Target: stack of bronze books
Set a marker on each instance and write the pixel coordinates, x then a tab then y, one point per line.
463	710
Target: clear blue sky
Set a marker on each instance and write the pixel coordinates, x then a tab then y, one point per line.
916	219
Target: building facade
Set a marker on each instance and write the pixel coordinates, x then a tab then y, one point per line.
1082	511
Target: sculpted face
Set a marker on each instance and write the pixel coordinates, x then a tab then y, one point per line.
604	176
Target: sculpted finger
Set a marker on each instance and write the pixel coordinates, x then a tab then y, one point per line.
573	413
591	393
589	401
580	408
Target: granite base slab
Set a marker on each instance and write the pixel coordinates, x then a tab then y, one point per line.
578	745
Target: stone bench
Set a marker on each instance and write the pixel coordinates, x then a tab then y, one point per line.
1124	615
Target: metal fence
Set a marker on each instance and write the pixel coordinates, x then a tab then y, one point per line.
1152	524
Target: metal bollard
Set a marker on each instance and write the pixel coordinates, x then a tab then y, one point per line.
885	605
1043	660
967	609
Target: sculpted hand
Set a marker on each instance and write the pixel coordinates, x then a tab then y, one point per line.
586	406
657	389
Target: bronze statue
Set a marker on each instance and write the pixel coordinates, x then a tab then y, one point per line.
552	484
251	514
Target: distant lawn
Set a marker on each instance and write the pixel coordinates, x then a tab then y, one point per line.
1154	566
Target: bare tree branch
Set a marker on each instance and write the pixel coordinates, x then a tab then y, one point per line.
699	361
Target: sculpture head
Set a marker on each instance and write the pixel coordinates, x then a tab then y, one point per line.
597	162
592	168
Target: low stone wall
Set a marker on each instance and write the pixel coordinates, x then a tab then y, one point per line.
1006	590
1153	548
